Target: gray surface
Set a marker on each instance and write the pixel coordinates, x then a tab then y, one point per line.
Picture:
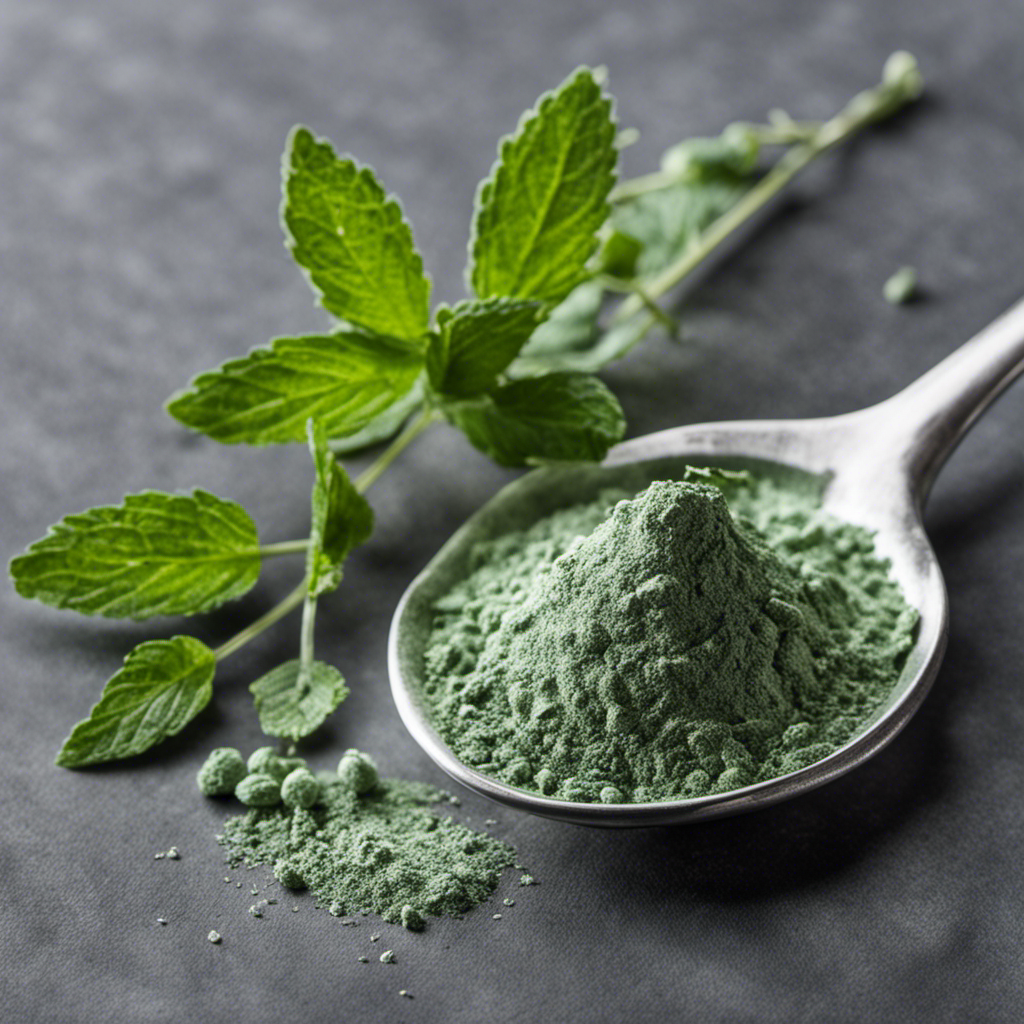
139	244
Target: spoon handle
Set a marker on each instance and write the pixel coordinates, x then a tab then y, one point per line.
925	421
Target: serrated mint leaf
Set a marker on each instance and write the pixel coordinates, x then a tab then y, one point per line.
292	700
538	213
341	518
345	380
154	554
383	426
163	685
352	240
478	340
667	222
560	417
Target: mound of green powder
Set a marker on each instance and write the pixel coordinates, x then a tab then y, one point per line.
382	850
666	645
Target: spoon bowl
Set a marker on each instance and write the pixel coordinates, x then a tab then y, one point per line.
873	468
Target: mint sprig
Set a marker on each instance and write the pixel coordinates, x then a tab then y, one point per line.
511	367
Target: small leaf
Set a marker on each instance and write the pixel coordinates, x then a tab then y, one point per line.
619	255
293	701
538	213
383	426
341	518
560	417
163	685
352	240
478	340
345	379
725	157
155	554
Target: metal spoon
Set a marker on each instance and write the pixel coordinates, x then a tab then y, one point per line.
874	468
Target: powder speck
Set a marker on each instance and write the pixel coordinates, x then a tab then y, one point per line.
214	937
387	957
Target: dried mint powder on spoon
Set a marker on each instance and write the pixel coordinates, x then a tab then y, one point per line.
666	645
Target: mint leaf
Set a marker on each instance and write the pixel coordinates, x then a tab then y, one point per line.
383	426
561	417
668	221
352	240
538	212
163	685
341	518
292	700
477	340
345	379
155	554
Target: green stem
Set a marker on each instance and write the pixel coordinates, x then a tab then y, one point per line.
634	287
306	636
900	84
284	547
371	474
279	611
299	595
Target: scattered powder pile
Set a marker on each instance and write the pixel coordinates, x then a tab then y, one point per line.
356	841
666	645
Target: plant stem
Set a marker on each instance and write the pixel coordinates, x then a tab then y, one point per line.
279	611
371	474
900	84
306	635
284	547
298	596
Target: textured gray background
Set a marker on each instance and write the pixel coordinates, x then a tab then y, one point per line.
139	244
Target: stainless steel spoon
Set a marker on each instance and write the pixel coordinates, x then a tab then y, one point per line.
874	468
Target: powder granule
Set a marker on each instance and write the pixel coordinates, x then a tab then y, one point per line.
665	645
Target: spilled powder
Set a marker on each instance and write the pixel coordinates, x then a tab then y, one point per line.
668	644
384	850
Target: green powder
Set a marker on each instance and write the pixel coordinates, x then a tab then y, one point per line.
666	645
383	849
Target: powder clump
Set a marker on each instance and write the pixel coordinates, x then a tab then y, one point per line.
381	849
665	645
